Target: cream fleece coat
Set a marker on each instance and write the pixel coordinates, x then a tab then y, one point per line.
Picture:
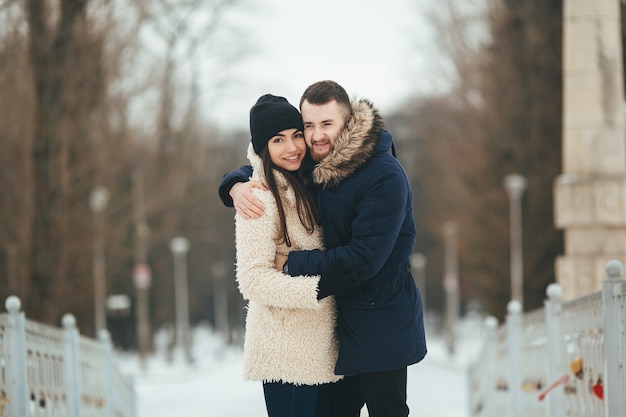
290	335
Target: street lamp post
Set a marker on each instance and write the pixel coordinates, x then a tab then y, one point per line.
451	283
12	270
418	263
97	202
220	296
515	186
142	275
179	247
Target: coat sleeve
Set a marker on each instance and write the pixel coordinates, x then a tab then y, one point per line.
375	229
256	249
229	179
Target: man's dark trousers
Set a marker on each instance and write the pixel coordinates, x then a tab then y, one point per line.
384	393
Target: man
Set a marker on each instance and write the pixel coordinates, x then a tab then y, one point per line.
366	205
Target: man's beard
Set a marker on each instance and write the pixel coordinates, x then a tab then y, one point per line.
318	154
317	157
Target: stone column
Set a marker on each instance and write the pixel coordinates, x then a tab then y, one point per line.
590	195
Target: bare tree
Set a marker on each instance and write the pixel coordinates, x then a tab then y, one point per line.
501	116
50	47
15	138
71	126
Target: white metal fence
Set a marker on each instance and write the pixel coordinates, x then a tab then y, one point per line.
51	372
566	359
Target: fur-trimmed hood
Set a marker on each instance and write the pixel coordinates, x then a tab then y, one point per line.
355	146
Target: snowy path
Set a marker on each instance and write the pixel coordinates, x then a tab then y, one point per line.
213	387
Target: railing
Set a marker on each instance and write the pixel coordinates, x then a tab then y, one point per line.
566	359
46	371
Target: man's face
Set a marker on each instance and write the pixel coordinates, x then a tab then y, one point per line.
322	126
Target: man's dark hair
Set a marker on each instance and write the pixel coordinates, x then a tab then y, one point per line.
325	91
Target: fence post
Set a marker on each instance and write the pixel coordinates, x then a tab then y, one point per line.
491	325
514	329
553	308
614	340
72	365
107	350
17	382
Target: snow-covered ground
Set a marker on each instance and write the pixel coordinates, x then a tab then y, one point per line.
213	386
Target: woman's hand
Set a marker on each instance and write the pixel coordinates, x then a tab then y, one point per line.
279	261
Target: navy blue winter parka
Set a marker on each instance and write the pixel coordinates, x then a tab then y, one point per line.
366	206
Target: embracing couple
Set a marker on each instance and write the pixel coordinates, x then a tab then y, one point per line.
324	230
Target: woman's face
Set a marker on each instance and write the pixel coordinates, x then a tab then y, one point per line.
287	149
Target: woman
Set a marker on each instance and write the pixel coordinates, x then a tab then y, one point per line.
290	344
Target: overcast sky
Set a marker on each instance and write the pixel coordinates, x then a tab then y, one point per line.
381	50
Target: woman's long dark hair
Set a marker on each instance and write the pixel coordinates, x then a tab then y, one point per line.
305	203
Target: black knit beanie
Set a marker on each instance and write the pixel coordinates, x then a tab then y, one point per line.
270	115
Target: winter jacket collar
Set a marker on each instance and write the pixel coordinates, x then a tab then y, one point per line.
353	148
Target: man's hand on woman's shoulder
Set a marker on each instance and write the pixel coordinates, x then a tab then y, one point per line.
246	204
